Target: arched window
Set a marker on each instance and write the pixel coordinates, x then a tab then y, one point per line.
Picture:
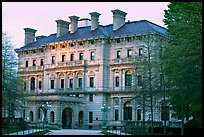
31	116
128	111
128	78
52	116
139	114
164	111
32	83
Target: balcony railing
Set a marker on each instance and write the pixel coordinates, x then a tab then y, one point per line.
32	68
121	61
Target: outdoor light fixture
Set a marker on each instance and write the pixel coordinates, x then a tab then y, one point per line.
105	109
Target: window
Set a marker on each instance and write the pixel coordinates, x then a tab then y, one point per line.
80	43
53	47
129	53
52	116
139	80
52	84
40	85
81	56
118	54
92	41
34	62
79	82
53	59
41	62
164	111
63	46
117	81
91	82
26	63
24	87
72	44
90	117
63	58
62	83
128	78
90	97
140	51
118	40
71	57
116	114
31	116
32	83
70	83
92	55
139	114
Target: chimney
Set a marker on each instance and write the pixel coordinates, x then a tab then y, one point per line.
62	27
118	18
29	35
39	37
94	20
74	23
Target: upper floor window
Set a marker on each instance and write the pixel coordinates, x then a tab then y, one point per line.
116	114
24	87
53	47
26	63
71	57
40	85
139	114
72	44
79	82
128	78
62	83
63	46
90	97
53	59
70	83
91	81
81	56
140	51
129	52
32	83
92	55
34	62
90	117
41	62
117	81
63	58
118	40
52	84
118	54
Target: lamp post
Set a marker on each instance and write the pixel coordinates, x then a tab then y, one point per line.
105	109
45	108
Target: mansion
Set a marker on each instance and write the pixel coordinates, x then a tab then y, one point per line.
85	65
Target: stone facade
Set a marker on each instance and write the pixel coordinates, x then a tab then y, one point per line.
77	76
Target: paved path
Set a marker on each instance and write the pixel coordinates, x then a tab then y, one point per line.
75	132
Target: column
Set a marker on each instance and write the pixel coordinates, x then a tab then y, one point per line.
112	108
84	81
65	81
37	84
56	82
121	80
120	109
28	86
133	110
48	83
74	81
113	79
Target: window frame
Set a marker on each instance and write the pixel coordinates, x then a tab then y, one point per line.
53	59
91	81
52	84
92	56
118	54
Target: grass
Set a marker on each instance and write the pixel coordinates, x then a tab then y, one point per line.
40	132
108	133
10	130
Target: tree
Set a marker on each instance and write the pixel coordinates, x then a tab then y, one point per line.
183	59
12	85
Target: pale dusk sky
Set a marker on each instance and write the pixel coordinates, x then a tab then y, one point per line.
42	15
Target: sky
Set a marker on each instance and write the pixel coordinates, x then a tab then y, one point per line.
42	15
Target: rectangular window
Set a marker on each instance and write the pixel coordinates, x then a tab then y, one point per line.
138	114
139	80
34	62
63	58
52	84
53	59
71	57
62	83
41	62
40	85
26	64
129	53
92	55
70	83
118	54
81	56
90	117
79	82
116	114
90	97
140	51
24	86
91	82
117	81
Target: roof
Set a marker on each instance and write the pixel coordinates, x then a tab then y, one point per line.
129	28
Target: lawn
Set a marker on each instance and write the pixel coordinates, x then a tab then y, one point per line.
40	132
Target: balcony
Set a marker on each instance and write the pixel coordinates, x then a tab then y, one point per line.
121	61
32	68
